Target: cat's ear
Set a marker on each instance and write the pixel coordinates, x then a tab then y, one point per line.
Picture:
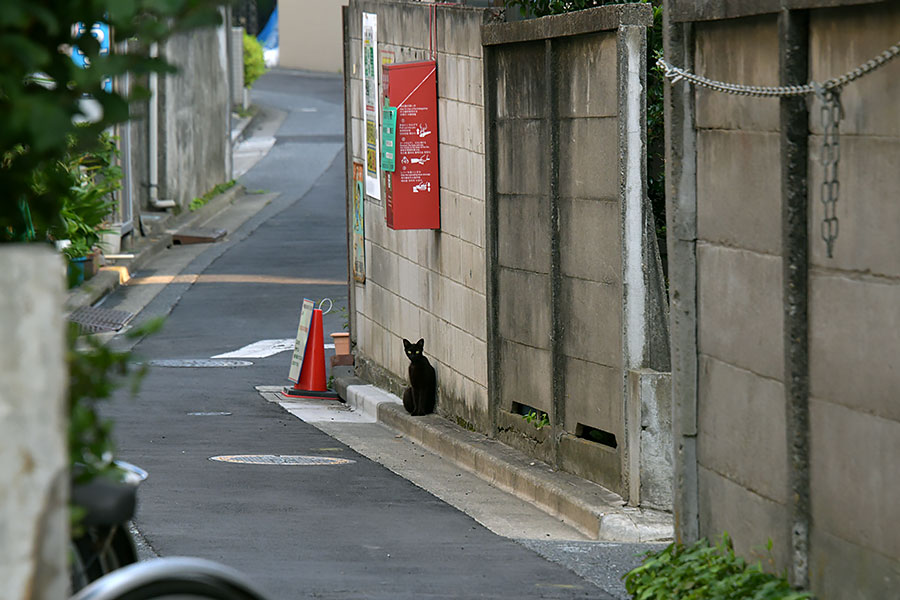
421	343
406	343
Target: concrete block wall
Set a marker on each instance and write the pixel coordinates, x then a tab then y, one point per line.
569	297
729	320
524	241
854	316
428	284
591	258
195	115
741	413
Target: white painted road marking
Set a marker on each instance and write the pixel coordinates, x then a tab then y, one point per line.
263	349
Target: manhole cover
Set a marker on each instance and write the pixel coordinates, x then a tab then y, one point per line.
271	459
96	320
200	363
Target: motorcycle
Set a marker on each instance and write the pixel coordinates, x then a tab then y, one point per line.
104	542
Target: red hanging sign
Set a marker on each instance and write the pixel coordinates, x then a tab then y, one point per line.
413	188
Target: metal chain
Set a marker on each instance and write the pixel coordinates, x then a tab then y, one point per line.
829	95
677	74
831	113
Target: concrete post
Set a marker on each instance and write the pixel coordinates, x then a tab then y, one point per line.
793	32
34	473
236	52
681	224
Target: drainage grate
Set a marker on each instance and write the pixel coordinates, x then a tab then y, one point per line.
200	363
96	320
272	459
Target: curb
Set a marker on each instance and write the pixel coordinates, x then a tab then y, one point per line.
112	276
592	509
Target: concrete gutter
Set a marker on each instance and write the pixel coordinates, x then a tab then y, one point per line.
595	511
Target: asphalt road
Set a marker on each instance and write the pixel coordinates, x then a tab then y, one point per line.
350	530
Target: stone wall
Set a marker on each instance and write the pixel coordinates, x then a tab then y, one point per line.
427	284
759	454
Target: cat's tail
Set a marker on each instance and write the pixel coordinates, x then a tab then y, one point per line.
408	402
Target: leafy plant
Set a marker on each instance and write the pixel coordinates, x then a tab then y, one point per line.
542	8
538	419
701	571
94	177
196	203
95	372
42	91
254	60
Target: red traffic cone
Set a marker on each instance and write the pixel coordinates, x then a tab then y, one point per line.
311	383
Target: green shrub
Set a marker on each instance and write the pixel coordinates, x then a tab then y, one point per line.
701	572
254	63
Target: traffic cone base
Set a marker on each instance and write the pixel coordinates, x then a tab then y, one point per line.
293	392
311	383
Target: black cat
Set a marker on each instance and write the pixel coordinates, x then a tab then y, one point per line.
419	397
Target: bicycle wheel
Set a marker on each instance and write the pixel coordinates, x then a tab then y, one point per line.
171	577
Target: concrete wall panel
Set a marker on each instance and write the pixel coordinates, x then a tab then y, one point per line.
520	82
867	210
523	316
739	308
738	189
592	312
522	160
523	224
524	377
841	39
854	346
592	461
742	414
587	87
750	519
195	116
741	51
591	231
840	569
589	158
595	397
853	477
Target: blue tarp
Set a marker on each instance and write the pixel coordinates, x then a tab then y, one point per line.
268	37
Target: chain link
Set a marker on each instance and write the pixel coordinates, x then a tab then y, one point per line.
677	74
831	112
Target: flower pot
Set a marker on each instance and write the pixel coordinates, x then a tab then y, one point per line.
111	240
76	270
341	343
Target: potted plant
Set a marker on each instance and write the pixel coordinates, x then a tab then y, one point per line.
94	178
